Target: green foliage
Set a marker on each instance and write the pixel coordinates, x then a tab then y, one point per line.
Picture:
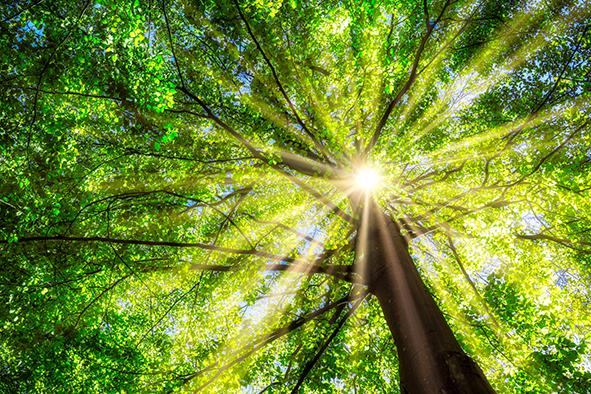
162	162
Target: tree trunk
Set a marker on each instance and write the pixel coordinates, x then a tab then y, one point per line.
430	358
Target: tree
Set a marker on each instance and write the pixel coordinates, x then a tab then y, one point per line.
186	203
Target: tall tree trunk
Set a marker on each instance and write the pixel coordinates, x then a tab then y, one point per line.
430	358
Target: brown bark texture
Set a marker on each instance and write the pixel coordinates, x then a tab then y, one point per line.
430	358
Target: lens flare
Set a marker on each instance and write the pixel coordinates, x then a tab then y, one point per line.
367	179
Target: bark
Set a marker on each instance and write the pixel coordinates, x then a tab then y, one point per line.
430	358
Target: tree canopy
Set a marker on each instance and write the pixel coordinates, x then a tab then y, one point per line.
178	208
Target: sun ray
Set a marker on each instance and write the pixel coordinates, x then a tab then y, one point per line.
265	312
484	72
478	141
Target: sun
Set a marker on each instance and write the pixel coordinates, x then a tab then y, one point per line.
367	179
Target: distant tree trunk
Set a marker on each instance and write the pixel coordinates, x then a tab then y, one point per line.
431	360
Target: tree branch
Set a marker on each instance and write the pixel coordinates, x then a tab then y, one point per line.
265	340
200	245
409	82
292	107
324	346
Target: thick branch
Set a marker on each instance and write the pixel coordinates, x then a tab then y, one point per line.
200	245
304	166
290	264
340	271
